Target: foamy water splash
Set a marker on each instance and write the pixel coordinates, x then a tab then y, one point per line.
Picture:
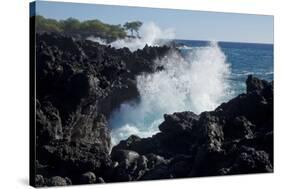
196	83
151	35
98	40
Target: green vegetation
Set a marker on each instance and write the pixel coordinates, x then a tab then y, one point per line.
49	25
96	28
133	26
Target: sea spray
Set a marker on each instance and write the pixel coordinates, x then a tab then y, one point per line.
197	82
98	40
151	35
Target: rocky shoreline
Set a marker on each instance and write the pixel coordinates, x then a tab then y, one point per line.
78	85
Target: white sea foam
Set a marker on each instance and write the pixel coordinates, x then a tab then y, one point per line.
197	83
97	39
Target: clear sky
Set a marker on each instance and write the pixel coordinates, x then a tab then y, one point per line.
192	25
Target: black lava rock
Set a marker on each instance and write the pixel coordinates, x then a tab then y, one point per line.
79	84
235	138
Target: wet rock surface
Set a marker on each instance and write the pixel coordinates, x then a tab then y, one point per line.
79	83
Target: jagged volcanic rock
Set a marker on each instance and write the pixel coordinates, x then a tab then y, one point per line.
78	85
235	138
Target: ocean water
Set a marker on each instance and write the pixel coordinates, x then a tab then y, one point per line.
199	78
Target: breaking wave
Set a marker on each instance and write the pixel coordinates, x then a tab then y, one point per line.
197	82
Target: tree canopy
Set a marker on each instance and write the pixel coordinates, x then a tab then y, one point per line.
49	25
86	28
97	28
133	26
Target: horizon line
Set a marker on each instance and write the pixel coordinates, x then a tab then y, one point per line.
223	41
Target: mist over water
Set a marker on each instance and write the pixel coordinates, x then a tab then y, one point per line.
151	35
197	82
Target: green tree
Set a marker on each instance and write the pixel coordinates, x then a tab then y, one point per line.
70	25
49	25
83	29
133	26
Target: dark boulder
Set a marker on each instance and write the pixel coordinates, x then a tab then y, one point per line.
210	132
100	180
49	124
161	171
250	160
140	145
178	122
72	160
121	155
181	166
131	166
90	129
39	181
88	178
239	127
154	160
254	106
58	181
255	84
